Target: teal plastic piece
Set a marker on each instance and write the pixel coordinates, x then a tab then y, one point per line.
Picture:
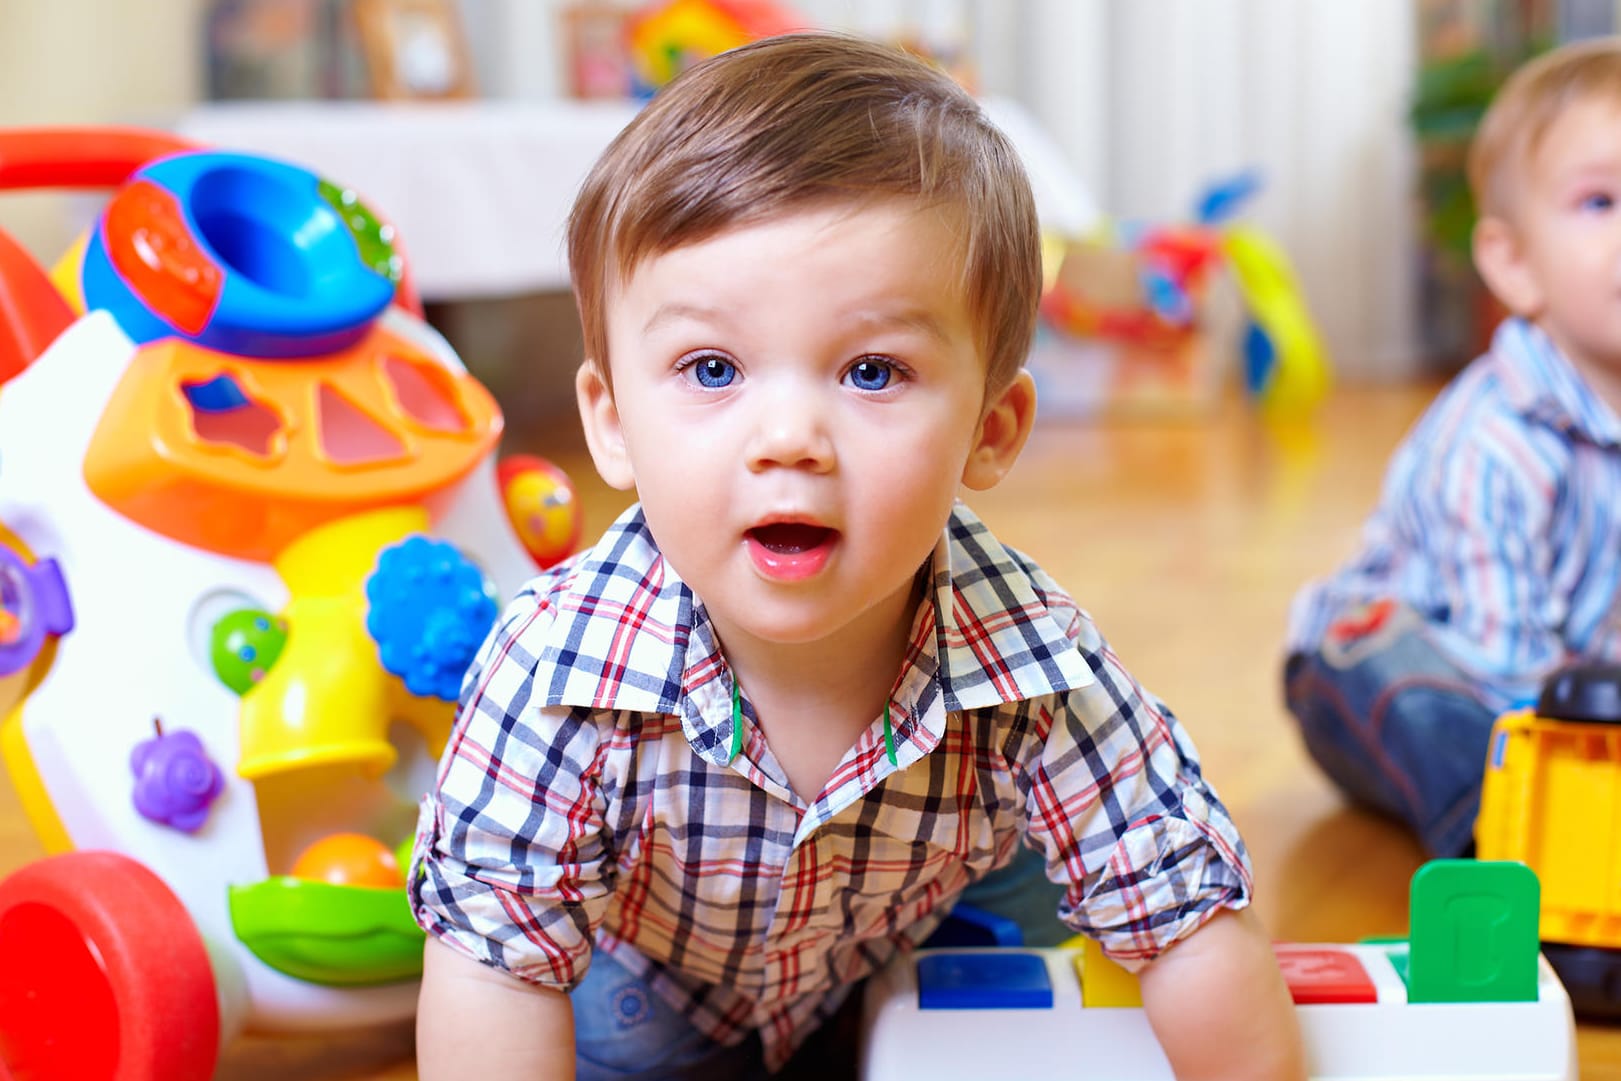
1399	956
1474	932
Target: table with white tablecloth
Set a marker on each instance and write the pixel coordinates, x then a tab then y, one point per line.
480	190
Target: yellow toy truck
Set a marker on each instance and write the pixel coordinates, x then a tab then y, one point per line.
1552	799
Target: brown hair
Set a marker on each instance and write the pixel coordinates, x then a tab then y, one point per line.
1525	107
799	119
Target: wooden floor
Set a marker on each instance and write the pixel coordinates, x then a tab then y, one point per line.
1186	541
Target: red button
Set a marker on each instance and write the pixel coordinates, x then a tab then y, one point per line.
150	245
1323	974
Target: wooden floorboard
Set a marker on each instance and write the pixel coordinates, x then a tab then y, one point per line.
1186	540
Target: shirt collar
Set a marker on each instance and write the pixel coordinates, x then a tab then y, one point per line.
993	628
1002	627
1540	382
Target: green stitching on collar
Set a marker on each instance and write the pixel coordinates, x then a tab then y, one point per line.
737	722
737	729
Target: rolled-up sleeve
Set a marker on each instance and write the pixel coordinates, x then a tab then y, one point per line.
1119	807
511	864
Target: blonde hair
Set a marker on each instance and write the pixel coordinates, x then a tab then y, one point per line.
1526	106
803	119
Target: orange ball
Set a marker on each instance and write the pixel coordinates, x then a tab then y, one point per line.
350	859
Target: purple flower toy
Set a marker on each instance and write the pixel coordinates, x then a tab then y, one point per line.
175	780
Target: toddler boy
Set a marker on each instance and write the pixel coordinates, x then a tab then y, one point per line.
712	772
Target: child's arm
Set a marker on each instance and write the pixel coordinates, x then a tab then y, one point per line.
470	1013
1219	1006
520	785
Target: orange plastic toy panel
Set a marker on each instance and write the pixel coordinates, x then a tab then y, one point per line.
240	456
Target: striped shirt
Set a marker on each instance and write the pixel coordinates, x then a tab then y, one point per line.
1499	523
588	794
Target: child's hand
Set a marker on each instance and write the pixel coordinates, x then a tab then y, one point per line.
1219	1006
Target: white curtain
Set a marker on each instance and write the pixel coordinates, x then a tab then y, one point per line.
1153	99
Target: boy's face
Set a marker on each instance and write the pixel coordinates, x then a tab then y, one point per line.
796	403
1559	261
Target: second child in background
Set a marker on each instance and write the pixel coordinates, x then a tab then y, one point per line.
1494	556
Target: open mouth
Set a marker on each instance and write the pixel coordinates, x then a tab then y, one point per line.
790	538
790	550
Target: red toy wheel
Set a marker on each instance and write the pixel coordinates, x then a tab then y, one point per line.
105	976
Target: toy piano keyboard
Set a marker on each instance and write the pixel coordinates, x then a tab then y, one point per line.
1467	995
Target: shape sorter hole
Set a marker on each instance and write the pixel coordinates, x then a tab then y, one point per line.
222	412
426	393
349	436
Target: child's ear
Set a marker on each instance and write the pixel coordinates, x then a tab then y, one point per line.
1002	432
1502	262
604	436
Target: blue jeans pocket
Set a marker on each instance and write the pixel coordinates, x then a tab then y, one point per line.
623	1031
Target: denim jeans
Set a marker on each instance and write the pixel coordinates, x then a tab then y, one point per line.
1396	724
624	1031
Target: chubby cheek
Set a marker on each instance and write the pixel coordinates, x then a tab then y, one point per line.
675	491
907	502
1575	250
692	540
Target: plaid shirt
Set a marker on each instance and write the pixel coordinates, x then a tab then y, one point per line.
586	795
1498	524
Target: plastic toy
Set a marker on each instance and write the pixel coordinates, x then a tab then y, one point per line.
1147	290
250	535
1550	797
667	38
542	506
1467	995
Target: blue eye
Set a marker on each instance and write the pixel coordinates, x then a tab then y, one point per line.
713	371
870	373
1597	201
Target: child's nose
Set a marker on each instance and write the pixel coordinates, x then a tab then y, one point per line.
790	431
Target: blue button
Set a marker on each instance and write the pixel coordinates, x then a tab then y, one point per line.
430	608
991	980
